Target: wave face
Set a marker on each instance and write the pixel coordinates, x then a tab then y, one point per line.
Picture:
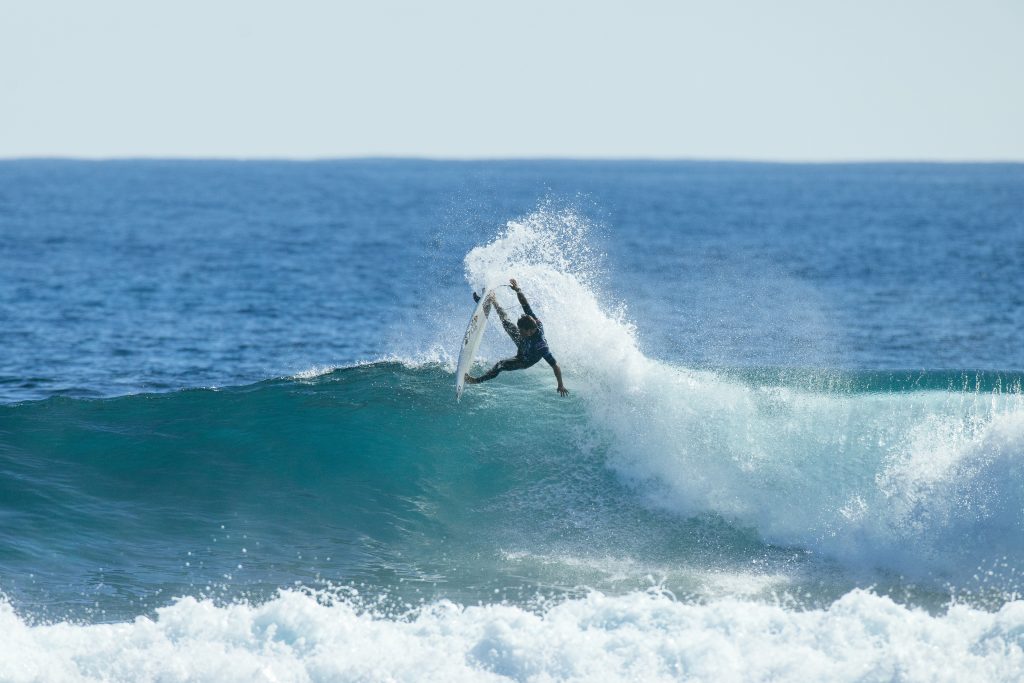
883	464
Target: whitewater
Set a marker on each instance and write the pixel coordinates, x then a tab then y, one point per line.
295	637
667	521
926	482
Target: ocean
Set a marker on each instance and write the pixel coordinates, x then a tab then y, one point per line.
230	450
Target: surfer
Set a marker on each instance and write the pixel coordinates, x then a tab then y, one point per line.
528	335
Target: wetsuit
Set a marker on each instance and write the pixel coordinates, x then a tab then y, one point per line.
530	349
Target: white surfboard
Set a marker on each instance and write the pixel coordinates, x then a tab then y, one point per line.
471	342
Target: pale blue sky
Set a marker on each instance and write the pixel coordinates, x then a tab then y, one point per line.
784	80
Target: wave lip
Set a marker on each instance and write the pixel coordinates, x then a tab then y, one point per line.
640	636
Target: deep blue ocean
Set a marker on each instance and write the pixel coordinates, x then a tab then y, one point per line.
230	447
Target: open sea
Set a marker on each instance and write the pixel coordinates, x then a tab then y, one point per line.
230	448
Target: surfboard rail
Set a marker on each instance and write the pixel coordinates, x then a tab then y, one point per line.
471	340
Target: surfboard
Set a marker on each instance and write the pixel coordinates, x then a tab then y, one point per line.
471	340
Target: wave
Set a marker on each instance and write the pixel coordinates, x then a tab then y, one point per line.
873	471
305	636
918	474
914	481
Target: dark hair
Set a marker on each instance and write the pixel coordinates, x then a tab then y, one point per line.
526	323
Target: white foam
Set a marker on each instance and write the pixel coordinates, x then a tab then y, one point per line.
698	582
640	636
435	355
314	372
924	483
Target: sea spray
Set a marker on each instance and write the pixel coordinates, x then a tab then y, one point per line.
918	482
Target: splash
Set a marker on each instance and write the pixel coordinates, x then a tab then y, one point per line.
916	481
550	253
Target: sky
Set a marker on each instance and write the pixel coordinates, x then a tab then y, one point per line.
786	80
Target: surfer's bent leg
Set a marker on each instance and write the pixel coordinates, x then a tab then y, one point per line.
508	364
510	327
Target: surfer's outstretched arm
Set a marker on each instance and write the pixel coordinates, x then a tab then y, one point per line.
522	299
510	327
558	376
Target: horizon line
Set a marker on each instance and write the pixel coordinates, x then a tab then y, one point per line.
508	159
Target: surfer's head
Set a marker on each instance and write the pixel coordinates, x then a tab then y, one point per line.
526	324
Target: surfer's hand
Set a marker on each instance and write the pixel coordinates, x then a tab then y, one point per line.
562	390
515	285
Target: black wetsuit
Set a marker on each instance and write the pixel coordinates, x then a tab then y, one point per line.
530	349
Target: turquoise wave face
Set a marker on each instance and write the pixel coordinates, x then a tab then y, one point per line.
370	474
373	476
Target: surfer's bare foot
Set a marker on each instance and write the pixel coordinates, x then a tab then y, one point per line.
470	380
